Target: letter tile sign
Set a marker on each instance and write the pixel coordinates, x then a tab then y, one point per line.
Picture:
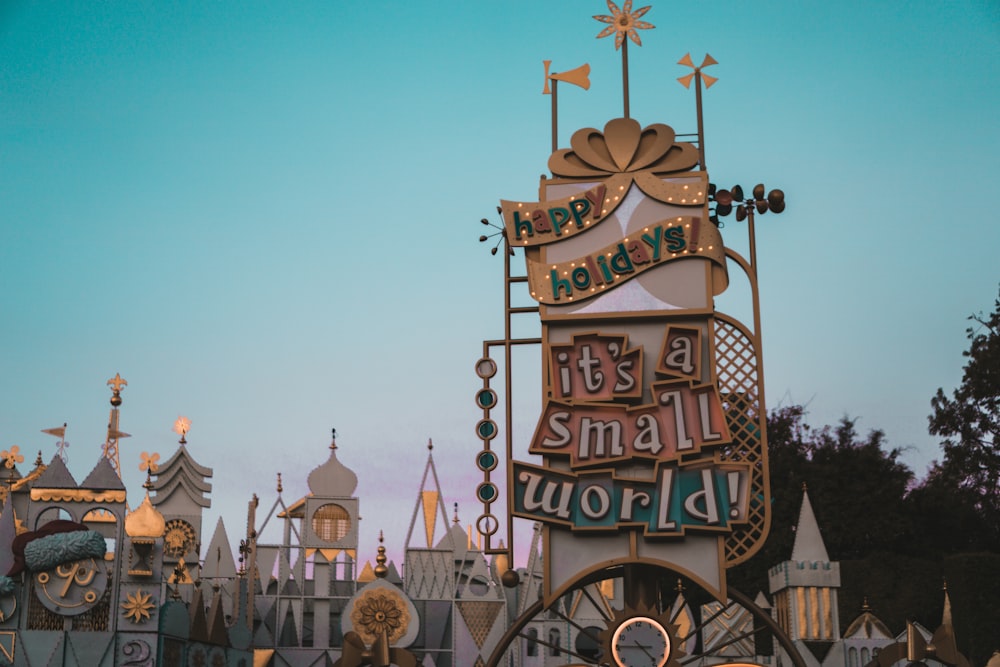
650	445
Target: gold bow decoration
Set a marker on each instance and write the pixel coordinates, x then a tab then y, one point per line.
623	147
355	654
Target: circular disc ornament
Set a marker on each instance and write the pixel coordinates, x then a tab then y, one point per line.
72	588
486	429
640	641
487	492
486	460
178	538
486	368
487	524
486	398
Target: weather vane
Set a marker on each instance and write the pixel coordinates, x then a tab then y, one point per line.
623	23
59	432
698	76
579	76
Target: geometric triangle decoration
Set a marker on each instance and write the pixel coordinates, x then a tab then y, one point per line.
42	648
8	644
93	647
480	617
266	557
429	500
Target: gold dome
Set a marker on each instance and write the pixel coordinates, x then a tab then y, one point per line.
145	521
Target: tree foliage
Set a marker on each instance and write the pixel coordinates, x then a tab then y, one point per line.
898	540
856	486
969	422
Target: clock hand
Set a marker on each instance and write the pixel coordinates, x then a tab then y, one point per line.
643	649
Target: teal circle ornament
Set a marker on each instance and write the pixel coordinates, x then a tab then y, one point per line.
486	398
486	429
487	492
486	460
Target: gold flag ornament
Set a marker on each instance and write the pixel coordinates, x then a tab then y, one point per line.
59	432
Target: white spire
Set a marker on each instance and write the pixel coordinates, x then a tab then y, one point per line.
809	545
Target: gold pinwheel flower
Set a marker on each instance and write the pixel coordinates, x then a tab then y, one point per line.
149	462
624	22
137	606
12	457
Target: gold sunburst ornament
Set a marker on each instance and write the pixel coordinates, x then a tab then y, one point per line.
623	23
377	611
137	606
181	427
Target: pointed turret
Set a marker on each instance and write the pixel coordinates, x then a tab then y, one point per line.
218	557
181	474
429	505
180	492
805	588
56	476
809	546
102	478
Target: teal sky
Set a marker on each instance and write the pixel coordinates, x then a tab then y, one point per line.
265	216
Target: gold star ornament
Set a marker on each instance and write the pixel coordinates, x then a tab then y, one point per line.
624	23
137	606
182	426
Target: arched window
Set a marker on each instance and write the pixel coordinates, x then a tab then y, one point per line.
852	657
554	639
532	641
865	657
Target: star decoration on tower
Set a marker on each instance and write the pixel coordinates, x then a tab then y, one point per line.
624	22
182	426
137	606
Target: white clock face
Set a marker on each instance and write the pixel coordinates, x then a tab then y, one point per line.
640	642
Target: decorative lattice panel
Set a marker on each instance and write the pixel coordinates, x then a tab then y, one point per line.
741	387
729	631
480	616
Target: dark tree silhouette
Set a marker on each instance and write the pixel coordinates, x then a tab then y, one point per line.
969	422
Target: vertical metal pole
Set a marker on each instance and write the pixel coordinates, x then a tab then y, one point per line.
555	121
509	407
625	74
251	558
701	124
754	291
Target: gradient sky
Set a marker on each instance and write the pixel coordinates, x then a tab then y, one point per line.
264	215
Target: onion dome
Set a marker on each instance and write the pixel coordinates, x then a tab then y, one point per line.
145	521
333	479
